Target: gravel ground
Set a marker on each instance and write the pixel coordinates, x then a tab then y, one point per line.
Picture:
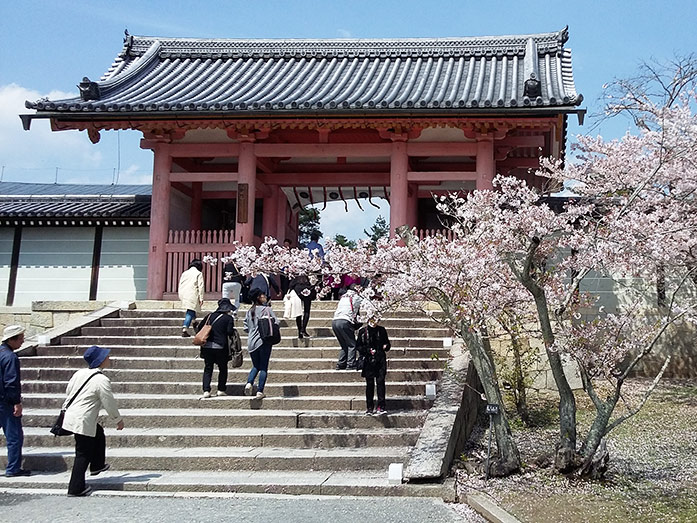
652	473
251	508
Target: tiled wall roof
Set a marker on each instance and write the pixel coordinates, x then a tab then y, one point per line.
173	75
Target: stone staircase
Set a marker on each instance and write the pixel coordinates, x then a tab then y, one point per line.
308	436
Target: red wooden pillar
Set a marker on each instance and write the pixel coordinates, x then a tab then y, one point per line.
269	216
413	205
159	221
399	187
246	193
282	216
196	205
486	165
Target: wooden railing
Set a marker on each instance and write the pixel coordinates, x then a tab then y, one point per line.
423	233
184	246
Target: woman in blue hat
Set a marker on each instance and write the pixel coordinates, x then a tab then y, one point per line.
92	392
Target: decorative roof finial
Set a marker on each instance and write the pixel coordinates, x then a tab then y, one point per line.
88	90
532	87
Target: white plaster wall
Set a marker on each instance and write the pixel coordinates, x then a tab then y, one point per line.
6	240
179	211
123	271
54	264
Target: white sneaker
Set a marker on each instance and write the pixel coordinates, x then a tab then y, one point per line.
260	395
206	394
221	393
248	389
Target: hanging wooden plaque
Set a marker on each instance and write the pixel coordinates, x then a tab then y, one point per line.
242	202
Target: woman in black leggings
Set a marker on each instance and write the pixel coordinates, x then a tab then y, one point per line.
306	292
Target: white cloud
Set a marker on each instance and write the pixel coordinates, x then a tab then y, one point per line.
33	156
343	33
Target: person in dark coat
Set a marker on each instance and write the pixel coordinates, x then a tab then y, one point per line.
11	399
306	292
372	343
263	284
216	350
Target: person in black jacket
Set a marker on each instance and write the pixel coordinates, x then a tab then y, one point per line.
306	292
372	343
216	349
263	283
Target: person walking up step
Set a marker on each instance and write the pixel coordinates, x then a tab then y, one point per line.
306	292
191	292
372	343
93	391
216	349
344	327
259	349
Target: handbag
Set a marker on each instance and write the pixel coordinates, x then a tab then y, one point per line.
202	336
57	428
269	330
235	346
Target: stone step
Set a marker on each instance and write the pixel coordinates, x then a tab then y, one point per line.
223	458
227	418
306	482
291	331
316	320
189	401
286	341
238	375
277	309
202	436
134	362
192	352
272	389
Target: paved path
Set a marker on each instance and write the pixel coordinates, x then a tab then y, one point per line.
18	505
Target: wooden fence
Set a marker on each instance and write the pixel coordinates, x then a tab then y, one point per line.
184	246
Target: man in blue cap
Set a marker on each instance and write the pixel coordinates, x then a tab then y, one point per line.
11	399
81	418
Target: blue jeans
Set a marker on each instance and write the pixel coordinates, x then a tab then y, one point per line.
260	364
12	427
190	316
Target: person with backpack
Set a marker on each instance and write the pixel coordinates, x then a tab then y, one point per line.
259	348
263	284
191	292
372	343
216	350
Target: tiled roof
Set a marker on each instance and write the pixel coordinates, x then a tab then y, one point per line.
27	200
68	189
295	77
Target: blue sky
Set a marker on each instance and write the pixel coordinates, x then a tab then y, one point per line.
46	48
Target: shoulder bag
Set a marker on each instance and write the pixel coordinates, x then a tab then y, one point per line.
235	348
57	428
202	336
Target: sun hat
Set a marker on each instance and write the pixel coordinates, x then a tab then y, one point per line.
95	356
11	331
225	305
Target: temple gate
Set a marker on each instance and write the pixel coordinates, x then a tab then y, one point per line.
247	132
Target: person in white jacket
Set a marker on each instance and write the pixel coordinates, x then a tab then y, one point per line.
81	418
191	292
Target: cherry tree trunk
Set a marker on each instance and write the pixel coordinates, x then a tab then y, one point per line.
565	459
509	458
